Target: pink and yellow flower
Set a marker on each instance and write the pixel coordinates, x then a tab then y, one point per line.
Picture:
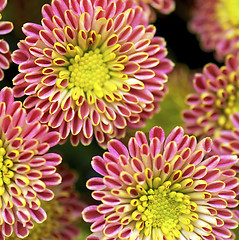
93	67
217	25
63	211
215	100
27	168
5	55
162	189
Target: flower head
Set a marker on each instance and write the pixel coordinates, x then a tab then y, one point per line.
5	27
93	67
215	100
164	189
63	211
218	31
27	169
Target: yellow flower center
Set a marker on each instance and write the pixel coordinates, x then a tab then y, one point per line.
88	72
227	13
5	169
228	106
164	209
91	74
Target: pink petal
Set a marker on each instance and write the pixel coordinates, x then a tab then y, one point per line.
20	230
38	215
90	214
112	229
5	27
117	148
95	183
31	29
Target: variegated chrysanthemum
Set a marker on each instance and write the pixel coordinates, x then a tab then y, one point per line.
93	67
217	24
5	55
162	189
215	101
27	169
63	212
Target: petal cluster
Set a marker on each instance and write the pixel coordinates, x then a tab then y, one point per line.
228	140
162	6
27	168
162	189
215	101
219	31
93	67
5	55
63	211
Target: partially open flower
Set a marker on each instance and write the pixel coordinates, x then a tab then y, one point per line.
164	189
93	67
27	169
215	100
217	24
63	212
5	55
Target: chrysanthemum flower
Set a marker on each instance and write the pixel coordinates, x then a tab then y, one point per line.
217	25
93	67
27	169
63	211
165	189
5	55
215	100
162	6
